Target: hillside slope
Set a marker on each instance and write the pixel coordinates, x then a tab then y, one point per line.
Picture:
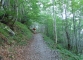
12	41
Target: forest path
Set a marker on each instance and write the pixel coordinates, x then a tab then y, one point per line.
38	50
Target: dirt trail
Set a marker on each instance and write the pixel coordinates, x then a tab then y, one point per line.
38	50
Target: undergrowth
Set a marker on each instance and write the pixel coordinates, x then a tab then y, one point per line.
12	46
22	34
65	54
49	42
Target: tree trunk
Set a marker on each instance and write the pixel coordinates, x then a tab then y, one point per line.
54	24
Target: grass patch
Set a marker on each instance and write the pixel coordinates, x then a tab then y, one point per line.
22	34
2	30
49	42
65	54
23	29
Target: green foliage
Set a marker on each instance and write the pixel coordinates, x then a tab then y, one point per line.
30	11
22	34
81	57
2	12
2	29
24	29
68	55
49	42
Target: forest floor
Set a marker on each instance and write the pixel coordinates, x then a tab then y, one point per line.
38	50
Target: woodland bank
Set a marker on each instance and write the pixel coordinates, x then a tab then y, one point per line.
13	42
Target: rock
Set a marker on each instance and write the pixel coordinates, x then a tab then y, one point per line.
12	33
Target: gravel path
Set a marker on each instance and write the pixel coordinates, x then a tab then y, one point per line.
38	50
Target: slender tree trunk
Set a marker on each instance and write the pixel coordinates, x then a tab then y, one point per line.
74	30
66	27
54	24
